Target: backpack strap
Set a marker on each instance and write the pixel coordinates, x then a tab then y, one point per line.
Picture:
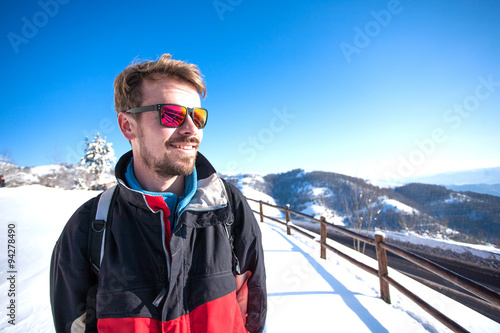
101	213
229	228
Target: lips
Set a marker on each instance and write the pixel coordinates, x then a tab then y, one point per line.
184	147
187	144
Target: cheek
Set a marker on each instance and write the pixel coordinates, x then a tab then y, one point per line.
155	137
164	134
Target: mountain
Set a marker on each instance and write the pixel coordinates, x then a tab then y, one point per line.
491	189
354	203
485	180
487	176
469	213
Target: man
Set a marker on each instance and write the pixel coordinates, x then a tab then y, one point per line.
167	263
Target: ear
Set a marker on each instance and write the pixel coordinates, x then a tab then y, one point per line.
128	125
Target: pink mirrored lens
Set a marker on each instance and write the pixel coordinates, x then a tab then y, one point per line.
173	115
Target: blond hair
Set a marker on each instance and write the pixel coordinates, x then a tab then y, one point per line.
128	84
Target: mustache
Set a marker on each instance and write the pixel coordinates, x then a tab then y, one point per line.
191	139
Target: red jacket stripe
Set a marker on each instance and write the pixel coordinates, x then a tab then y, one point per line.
211	317
158	203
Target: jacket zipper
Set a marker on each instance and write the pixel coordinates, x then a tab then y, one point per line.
164	291
163	240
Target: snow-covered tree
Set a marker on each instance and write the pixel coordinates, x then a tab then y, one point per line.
98	159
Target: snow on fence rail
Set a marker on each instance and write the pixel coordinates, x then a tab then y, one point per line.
491	298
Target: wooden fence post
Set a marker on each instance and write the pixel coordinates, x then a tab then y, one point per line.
287	218
261	211
323	237
382	267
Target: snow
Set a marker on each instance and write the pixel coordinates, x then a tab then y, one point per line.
24	177
399	206
305	293
457	198
300	174
44	170
316	210
321	191
39	214
483	251
249	192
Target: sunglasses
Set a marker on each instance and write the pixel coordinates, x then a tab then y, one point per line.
173	115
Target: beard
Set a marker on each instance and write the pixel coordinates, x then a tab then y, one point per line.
167	165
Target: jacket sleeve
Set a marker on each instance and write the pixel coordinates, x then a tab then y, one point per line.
70	274
248	249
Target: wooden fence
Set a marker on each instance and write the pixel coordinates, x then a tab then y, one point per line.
490	297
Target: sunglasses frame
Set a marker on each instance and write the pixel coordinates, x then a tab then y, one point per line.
159	107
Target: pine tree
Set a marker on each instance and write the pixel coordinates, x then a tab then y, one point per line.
98	159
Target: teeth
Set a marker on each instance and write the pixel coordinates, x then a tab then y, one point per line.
183	147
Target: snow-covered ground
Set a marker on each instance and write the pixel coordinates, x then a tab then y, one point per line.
482	251
308	294
305	293
39	214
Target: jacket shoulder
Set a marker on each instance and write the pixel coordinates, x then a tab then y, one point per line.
82	216
245	222
235	193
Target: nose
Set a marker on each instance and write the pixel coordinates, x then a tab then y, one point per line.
188	127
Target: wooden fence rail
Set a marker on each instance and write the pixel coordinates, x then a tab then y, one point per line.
490	297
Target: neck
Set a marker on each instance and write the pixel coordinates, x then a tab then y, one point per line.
152	182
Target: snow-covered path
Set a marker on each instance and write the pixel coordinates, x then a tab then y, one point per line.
309	294
305	295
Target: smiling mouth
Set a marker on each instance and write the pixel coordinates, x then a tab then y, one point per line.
184	147
185	144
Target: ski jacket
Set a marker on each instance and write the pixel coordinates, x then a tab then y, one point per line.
153	279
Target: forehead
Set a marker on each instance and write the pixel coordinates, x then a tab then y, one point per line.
168	90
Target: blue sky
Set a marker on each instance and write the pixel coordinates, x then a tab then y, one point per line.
374	89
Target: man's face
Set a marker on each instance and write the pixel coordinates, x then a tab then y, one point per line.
163	150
